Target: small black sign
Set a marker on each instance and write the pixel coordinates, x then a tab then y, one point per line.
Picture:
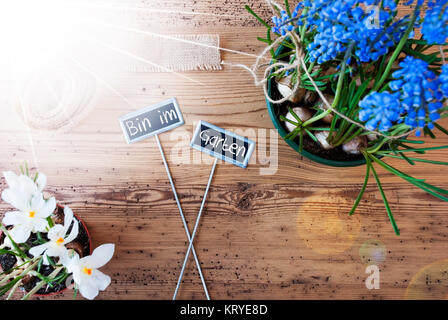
146	122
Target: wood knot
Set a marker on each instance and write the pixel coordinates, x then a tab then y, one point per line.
245	202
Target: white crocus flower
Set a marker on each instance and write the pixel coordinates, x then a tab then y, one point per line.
21	189
58	239
85	271
31	217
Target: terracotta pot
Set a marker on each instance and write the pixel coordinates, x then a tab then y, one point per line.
90	252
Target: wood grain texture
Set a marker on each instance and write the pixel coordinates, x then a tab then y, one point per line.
281	236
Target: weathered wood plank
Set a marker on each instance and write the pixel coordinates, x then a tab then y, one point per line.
281	236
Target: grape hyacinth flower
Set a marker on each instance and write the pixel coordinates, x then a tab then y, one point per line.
283	25
341	22
443	80
419	93
435	25
380	110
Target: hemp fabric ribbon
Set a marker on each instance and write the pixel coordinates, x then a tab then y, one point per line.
191	52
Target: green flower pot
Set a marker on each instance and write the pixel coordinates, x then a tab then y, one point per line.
282	132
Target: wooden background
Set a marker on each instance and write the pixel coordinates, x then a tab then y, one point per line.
281	236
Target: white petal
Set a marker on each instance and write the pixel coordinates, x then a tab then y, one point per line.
37	201
100	256
39	224
72	263
27	186
47	209
73	233
56	251
7	242
63	257
11	179
102	280
41	181
14	198
68	217
56	232
13	218
38	250
88	290
21	233
78	275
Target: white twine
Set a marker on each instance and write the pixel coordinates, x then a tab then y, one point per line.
286	66
271	5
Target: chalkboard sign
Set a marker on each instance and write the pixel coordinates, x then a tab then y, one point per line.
222	144
146	122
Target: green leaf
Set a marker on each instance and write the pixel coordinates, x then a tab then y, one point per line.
429	132
4	251
50	260
416	149
283	55
411	141
50	222
293	134
264	40
39	264
4	289
420	183
287	8
283	118
445	131
75	292
363	189
386	203
295	115
256	16
419	160
311	135
301	141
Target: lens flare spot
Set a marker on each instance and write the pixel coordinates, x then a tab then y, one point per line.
373	252
430	282
324	225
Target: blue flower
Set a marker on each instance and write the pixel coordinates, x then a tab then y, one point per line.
341	22
419	92
443	81
435	24
284	24
380	110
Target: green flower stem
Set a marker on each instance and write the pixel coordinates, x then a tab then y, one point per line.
347	136
397	51
303	28
338	89
317	118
